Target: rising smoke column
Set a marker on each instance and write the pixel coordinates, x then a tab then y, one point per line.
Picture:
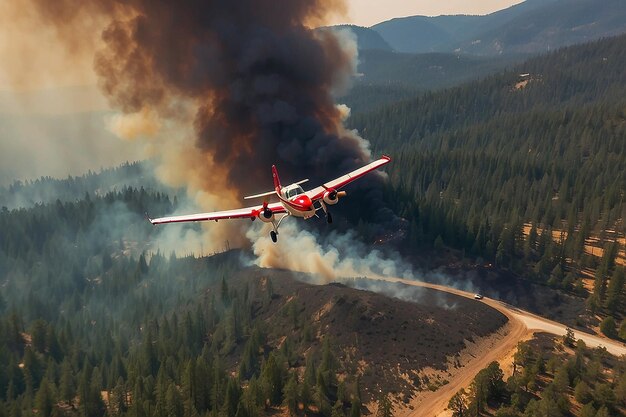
236	87
260	80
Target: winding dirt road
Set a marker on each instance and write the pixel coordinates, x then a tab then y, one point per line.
520	326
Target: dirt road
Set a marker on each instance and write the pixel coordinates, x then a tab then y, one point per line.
521	324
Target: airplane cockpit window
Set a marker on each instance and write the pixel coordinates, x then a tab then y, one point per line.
297	190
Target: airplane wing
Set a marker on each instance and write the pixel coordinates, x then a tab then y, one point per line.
253	212
242	213
336	184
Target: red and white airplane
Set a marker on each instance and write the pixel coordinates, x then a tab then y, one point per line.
293	201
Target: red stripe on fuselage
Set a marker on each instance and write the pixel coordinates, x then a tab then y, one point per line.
300	203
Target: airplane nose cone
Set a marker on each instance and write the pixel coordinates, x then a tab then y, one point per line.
305	202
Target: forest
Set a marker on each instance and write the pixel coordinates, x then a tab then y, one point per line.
550	377
88	328
522	169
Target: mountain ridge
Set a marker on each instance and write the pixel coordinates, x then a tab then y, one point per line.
527	27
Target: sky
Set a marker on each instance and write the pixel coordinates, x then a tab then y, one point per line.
369	12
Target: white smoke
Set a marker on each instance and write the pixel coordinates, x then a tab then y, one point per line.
341	255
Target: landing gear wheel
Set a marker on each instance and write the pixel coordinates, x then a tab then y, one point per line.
329	218
273	236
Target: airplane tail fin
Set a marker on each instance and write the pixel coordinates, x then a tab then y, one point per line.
276	179
276	190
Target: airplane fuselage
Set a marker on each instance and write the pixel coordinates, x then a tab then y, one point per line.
298	205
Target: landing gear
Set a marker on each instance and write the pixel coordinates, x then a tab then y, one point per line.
329	217
275	225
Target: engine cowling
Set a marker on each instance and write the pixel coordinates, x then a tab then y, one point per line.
332	196
266	215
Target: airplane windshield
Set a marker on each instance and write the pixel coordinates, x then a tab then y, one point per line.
297	190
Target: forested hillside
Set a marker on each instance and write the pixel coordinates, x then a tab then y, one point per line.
91	324
551	25
386	77
531	27
543	145
47	189
555	378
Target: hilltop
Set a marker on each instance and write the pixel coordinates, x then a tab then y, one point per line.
529	27
377	337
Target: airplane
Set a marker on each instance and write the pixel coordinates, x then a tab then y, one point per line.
293	201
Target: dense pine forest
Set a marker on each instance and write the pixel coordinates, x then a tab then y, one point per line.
47	189
89	325
523	169
93	324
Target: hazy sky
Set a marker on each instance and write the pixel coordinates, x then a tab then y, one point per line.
370	12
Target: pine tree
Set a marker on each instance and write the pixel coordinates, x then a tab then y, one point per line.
149	355
582	392
478	393
458	404
44	399
142	264
38	335
271	378
232	396
290	393
67	389
607	327
322	394
188	388
202	385
173	402
561	379
615	290
569	339
118	402
588	410
305	394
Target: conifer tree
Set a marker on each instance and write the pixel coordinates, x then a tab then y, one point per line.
458	404
67	389
44	399
290	393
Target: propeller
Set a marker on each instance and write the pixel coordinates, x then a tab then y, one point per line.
267	212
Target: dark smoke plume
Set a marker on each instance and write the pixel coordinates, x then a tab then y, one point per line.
258	75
